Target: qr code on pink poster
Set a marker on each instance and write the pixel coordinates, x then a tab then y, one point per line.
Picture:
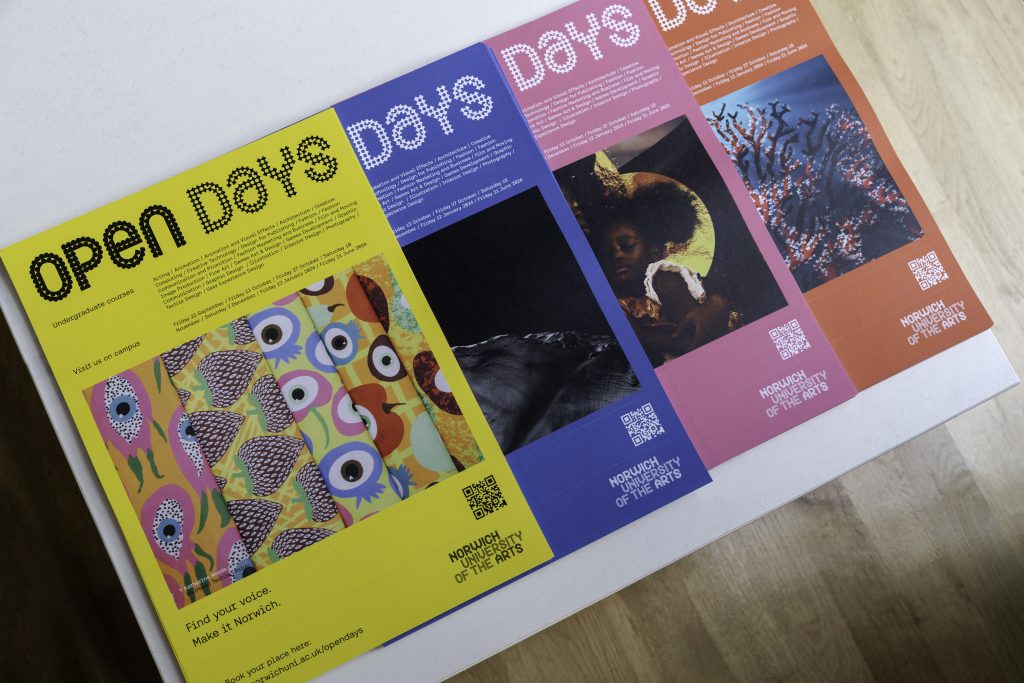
789	339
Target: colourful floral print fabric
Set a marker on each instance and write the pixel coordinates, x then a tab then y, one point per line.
263	436
400	324
352	469
179	504
271	483
381	389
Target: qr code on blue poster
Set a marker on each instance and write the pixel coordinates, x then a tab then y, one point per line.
789	339
928	270
484	497
642	424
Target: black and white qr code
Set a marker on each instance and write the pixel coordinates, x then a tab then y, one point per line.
789	339
928	270
642	424
484	497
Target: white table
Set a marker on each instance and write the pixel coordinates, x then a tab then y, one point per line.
102	99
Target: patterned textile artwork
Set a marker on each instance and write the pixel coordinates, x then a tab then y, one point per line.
180	507
417	359
334	433
380	387
261	437
272	485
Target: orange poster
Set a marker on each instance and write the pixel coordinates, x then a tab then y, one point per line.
845	215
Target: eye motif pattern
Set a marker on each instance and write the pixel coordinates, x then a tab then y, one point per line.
348	419
383	361
126	408
121	409
187	452
369	420
342	341
171	518
317	354
401	480
239	564
167	527
353	471
319	287
386	428
303	391
432	382
277	332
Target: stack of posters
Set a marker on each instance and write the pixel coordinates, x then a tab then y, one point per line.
475	318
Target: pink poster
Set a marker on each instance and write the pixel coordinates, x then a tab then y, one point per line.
684	249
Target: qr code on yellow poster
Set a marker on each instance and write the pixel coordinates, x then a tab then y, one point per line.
484	497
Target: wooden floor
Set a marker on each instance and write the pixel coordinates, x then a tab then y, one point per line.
911	567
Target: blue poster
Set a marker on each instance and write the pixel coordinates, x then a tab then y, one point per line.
544	345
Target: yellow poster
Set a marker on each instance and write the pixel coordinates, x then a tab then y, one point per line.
251	471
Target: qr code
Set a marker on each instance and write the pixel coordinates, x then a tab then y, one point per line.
789	339
484	497
642	424
928	270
